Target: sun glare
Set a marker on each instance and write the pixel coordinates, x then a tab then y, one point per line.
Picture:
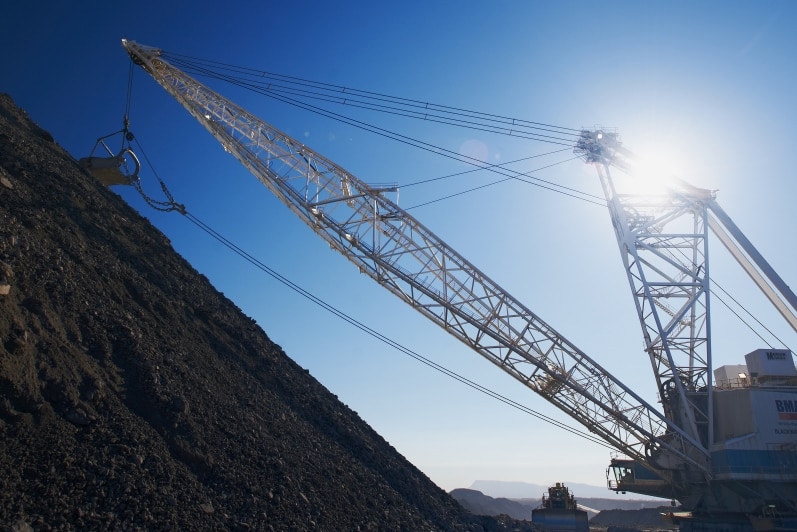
655	170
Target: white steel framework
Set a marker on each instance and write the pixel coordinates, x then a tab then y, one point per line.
402	255
663	241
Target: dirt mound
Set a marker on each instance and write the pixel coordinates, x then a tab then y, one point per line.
134	395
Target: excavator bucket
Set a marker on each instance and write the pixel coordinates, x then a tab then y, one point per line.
112	170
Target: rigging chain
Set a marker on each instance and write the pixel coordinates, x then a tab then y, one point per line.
164	206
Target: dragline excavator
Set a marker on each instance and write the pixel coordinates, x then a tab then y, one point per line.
723	444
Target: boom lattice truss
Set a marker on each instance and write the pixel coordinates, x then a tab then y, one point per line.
406	258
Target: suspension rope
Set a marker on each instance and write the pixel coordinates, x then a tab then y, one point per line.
258	88
430	180
347	95
480	187
477	163
748	313
268	91
536	181
258	82
438	150
714	284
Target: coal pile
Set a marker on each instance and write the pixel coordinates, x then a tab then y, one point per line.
133	395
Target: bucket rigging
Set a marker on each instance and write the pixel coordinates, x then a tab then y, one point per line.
113	169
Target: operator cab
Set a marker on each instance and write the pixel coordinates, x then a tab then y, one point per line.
630	475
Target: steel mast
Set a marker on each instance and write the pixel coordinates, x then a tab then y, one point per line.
663	241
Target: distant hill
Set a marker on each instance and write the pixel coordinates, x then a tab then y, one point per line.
602	512
481	504
526	490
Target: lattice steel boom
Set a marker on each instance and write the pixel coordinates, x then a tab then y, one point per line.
405	257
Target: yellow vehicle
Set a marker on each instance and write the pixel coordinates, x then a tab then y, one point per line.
559	512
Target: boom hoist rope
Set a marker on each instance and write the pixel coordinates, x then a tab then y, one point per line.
299	92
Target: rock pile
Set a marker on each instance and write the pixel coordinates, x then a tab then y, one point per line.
133	395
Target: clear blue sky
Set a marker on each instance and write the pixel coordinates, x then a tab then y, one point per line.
708	85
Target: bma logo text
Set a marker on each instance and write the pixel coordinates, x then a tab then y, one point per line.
787	409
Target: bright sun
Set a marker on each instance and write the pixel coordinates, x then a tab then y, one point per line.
655	171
